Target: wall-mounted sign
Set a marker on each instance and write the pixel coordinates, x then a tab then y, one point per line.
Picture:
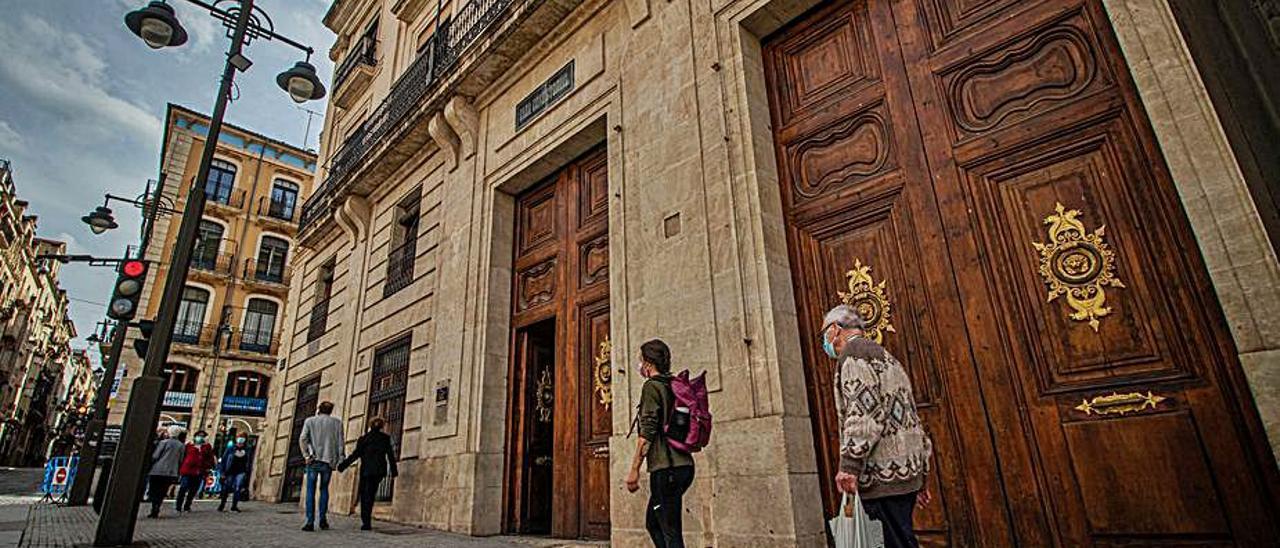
545	95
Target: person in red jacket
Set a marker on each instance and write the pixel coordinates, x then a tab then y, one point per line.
196	464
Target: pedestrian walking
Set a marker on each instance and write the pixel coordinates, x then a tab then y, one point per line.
165	462
321	442
235	467
884	450
197	461
670	470
377	454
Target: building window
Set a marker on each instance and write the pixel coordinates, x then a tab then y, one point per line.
320	305
387	394
304	406
245	394
222	179
191	311
284	199
259	326
272	256
180	378
404	245
205	254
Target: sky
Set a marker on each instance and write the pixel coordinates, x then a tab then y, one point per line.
82	102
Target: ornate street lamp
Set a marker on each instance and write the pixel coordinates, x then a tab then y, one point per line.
100	220
157	25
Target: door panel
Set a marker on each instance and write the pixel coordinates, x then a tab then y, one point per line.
561	276
980	180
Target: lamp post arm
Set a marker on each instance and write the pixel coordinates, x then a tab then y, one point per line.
270	33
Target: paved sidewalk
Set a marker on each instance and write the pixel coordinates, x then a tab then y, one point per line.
260	524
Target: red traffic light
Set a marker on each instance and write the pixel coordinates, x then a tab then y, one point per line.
133	269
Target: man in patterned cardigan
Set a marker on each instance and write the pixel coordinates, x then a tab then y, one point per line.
884	450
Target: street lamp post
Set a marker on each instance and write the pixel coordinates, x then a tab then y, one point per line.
100	220
157	25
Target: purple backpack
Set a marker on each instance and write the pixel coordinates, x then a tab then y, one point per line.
688	427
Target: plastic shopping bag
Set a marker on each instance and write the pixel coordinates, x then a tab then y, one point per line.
853	528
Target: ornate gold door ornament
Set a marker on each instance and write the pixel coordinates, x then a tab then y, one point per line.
544	395
602	375
1077	264
868	298
1120	404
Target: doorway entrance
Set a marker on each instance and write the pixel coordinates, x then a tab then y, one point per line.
560	396
980	180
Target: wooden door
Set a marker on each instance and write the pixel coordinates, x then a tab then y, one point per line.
561	312
305	402
980	180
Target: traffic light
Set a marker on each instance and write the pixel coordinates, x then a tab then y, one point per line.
141	343
124	300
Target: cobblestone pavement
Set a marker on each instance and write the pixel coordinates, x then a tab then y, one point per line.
26	522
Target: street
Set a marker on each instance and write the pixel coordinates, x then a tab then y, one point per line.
24	521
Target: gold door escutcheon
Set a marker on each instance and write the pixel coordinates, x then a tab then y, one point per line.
1120	404
1077	264
602	375
544	396
868	298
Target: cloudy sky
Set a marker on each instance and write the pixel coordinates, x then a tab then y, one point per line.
82	101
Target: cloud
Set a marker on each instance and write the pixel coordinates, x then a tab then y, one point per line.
10	140
60	71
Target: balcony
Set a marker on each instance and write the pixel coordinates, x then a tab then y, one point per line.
217	264
229	200
467	54
256	342
319	322
193	333
178	400
274	211
271	273
353	76
245	406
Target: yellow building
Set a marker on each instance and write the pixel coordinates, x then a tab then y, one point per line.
225	340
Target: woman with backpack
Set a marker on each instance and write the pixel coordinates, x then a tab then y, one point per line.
670	469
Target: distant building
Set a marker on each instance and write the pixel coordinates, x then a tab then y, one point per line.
226	339
35	331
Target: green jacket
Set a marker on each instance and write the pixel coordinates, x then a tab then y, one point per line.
655	401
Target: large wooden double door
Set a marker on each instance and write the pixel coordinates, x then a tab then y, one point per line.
560	418
980	180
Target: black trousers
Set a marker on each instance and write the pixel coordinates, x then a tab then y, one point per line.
666	504
894	513
368	492
157	488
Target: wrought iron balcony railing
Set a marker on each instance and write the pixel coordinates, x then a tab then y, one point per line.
229	198
269	272
256	341
216	263
362	54
192	332
277	210
451	41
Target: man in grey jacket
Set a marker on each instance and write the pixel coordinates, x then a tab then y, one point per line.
322	445
884	450
165	460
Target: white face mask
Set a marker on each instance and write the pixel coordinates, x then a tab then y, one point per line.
640	369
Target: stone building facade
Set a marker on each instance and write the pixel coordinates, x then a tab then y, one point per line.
1032	202
35	331
226	341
